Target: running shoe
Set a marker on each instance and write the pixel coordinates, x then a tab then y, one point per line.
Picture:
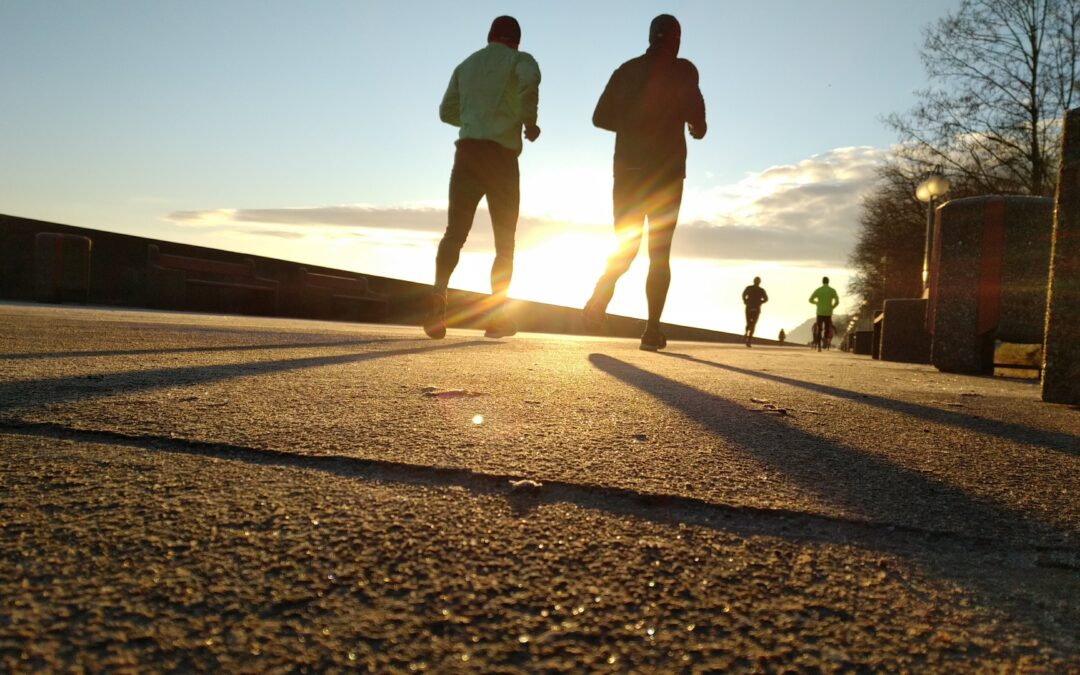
501	328
652	339
593	318
435	324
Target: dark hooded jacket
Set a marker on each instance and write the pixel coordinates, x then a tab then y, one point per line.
647	103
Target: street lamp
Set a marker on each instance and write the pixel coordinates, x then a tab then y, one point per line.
934	186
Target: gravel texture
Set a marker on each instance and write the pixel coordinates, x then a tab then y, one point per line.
184	491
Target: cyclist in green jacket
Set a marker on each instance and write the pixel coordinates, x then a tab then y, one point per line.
826	299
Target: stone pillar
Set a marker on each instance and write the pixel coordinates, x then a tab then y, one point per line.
986	278
903	331
875	346
1061	351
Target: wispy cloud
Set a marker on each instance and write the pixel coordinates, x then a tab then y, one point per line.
423	219
804	213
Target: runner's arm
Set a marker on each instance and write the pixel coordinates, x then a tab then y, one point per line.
528	77
695	104
450	108
606	114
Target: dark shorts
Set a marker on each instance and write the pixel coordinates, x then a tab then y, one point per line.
637	195
823	324
484	169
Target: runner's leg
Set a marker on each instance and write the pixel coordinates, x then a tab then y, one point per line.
629	220
466	191
663	216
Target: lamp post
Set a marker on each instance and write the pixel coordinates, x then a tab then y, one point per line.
935	185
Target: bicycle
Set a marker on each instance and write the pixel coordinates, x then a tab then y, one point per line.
818	343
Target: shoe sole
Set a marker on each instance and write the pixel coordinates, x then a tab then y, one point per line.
593	322
499	330
437	330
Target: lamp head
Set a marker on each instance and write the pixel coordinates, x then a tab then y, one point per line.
938	185
935	185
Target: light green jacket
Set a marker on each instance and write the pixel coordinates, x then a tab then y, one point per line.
492	95
826	300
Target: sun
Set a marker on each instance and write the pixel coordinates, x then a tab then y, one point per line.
561	270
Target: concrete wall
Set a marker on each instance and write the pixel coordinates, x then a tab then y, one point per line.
118	278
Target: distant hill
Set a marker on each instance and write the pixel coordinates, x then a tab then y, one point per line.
804	333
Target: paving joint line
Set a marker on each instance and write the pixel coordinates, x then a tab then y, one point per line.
657	507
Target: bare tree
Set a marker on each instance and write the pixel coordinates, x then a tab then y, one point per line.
1001	73
887	257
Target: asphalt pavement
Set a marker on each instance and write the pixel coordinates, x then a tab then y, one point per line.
236	494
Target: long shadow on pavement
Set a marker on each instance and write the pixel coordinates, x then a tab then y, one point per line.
35	393
867	486
879	490
1061	442
196	350
842	473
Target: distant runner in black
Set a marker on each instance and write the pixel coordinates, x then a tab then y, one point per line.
650	103
753	297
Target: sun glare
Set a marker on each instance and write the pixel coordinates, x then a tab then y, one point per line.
561	270
573	195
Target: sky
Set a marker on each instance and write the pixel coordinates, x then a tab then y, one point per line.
310	132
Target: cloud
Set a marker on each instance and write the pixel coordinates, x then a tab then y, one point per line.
804	213
399	226
422	219
738	242
280	234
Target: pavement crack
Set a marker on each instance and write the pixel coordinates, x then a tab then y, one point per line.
656	507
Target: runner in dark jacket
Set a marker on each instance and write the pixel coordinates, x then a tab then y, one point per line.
753	297
647	103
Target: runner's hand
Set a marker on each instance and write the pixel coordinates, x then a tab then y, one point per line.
532	132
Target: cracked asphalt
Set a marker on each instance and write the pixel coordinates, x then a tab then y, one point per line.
184	491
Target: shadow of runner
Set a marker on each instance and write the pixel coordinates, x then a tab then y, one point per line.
1029	592
196	350
43	392
1061	442
866	486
